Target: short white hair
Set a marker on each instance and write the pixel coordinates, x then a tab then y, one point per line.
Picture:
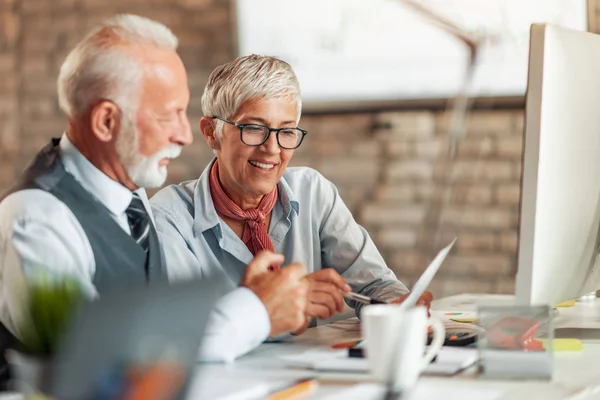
102	65
249	77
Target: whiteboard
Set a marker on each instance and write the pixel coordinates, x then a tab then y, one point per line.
349	50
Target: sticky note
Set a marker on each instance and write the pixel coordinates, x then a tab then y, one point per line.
569	303
564	344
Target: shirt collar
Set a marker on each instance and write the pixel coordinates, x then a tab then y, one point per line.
288	197
114	196
205	214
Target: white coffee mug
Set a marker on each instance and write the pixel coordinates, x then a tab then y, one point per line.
395	342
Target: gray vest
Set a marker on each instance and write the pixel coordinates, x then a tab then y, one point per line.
119	259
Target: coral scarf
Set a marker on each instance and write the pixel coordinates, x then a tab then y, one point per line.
255	235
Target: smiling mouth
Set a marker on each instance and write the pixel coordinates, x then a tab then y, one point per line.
261	165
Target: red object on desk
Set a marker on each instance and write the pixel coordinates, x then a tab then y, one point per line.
514	333
345	345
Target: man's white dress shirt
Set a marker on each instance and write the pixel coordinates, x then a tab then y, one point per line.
38	231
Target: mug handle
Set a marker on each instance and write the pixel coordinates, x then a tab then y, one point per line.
439	333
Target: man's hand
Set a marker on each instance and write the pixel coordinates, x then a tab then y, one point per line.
424	300
283	292
304	327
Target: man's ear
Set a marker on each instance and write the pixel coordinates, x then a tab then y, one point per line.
105	119
209	131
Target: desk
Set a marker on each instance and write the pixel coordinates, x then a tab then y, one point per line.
572	370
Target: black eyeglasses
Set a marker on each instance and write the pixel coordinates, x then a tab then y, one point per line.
256	135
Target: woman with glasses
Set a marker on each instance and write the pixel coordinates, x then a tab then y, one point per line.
247	200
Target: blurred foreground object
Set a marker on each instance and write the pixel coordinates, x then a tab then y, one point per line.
459	108
135	342
460	103
51	304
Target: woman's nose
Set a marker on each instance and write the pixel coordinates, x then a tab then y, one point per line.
271	144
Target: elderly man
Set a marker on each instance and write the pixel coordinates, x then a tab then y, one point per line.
248	199
80	210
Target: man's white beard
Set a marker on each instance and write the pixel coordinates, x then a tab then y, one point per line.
144	171
147	173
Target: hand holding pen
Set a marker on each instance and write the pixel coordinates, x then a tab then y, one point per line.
325	288
424	300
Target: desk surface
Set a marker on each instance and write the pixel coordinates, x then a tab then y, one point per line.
573	371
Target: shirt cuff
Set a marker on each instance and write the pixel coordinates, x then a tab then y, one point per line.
280	338
240	323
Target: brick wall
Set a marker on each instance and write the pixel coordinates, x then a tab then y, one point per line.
389	166
36	36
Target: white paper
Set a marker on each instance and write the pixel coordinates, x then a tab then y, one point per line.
425	279
449	361
313	357
423	391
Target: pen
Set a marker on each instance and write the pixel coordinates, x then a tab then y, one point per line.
301	387
362	299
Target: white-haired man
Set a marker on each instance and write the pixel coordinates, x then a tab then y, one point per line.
80	209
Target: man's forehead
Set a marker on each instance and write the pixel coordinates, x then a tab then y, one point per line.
163	65
164	80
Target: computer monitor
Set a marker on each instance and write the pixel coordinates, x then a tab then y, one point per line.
559	236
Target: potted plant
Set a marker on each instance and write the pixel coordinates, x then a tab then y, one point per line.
51	303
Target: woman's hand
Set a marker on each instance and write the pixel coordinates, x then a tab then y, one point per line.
325	289
424	300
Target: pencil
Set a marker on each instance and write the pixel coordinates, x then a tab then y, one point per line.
301	388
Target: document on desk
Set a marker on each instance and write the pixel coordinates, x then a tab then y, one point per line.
449	361
423	391
426	278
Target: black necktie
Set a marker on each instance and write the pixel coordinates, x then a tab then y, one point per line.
139	223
